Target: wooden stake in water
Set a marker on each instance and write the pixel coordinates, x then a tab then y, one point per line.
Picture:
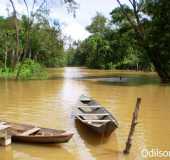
5	139
132	128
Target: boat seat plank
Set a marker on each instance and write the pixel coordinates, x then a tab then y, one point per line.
88	109
93	114
2	127
96	121
92	117
30	131
84	98
92	106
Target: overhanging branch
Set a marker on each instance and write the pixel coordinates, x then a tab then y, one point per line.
134	26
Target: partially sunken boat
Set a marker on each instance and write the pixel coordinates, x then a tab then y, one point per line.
33	134
94	116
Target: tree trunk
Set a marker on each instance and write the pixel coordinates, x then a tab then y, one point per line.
163	73
13	59
155	57
5	60
16	32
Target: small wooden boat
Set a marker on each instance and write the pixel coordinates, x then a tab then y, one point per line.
94	116
32	134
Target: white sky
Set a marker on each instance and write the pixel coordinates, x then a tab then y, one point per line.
74	27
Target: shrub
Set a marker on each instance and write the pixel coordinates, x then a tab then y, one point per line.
109	65
6	73
30	69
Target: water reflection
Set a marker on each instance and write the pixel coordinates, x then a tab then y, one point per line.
69	96
37	152
91	137
6	153
49	103
34	152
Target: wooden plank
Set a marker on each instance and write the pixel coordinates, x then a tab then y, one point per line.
93	114
86	109
94	106
30	131
2	127
84	98
92	120
89	109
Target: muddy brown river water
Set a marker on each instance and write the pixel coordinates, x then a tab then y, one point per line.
49	103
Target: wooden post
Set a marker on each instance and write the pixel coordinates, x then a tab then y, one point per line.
132	128
5	139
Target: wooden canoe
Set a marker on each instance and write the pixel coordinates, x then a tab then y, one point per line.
94	116
33	134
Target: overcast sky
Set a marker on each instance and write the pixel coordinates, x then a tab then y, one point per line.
75	27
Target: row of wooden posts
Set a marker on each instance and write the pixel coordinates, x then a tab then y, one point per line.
5	139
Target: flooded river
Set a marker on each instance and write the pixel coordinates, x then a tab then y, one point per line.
49	103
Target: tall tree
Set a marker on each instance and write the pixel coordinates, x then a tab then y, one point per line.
152	33
98	24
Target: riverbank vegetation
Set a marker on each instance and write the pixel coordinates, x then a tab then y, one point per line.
135	37
28	42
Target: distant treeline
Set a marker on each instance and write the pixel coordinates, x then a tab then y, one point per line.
111	45
135	37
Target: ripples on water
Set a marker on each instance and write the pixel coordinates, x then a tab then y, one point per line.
49	103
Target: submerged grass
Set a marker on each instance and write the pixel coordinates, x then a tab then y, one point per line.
28	70
7	73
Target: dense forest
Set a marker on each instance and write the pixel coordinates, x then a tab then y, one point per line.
28	43
109	46
135	37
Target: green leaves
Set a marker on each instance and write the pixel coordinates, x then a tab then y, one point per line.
112	43
30	69
118	17
98	24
